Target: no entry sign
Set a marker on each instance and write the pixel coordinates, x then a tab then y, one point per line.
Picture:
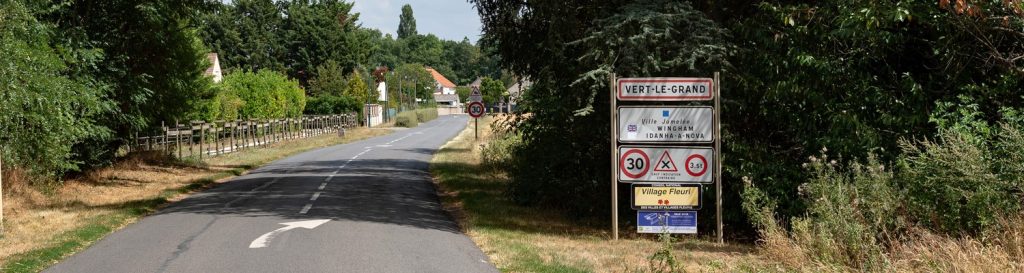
476	109
665	164
665	89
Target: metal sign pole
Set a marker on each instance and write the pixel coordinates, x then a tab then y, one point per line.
615	158
718	160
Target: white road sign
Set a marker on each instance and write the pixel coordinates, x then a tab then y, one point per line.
666	164
679	124
665	89
475	96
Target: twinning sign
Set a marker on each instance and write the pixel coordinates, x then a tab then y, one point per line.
678	124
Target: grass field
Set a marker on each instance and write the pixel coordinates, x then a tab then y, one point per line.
526	239
44	224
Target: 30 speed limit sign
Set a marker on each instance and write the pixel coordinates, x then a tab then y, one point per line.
476	109
666	164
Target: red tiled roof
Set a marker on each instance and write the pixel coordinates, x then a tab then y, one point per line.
440	78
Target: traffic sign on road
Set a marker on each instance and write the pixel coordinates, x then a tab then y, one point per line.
475	96
476	109
666	197
673	165
673	124
666	221
665	89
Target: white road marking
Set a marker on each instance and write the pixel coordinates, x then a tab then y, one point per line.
329	178
315	196
264	239
306	209
322	186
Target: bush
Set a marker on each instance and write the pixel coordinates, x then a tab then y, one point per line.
43	112
265	94
427	114
953	184
406	119
415	117
851	214
327	104
498	152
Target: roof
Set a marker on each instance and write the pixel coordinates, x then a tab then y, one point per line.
519	86
446	97
478	82
214	63
440	79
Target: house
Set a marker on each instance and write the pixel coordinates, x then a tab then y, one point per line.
214	69
447	100
442	84
477	83
516	90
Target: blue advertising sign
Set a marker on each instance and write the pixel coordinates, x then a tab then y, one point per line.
666	221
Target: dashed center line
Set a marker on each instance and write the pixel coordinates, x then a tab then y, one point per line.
315	196
322	186
305	209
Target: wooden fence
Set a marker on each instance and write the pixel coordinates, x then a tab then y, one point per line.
201	138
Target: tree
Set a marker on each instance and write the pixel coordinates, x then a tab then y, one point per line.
568	54
330	80
493	91
43	111
411	81
463	92
266	94
147	55
260	28
357	89
406	23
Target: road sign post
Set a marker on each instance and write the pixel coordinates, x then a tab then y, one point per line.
718	160
678	171
615	158
476	110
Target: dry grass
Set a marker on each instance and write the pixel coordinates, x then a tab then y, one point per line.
36	215
523	239
1000	250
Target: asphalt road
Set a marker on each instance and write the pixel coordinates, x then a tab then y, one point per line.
377	207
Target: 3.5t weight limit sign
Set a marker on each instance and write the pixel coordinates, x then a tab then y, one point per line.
666	164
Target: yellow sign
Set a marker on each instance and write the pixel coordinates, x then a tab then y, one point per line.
666	197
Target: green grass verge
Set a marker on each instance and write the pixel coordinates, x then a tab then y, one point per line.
476	195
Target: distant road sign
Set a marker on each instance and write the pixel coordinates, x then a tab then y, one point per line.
678	124
673	165
665	89
476	109
666	221
475	96
666	197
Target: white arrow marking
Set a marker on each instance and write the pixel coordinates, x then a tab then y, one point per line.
264	239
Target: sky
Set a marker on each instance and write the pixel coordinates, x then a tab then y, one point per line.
447	19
